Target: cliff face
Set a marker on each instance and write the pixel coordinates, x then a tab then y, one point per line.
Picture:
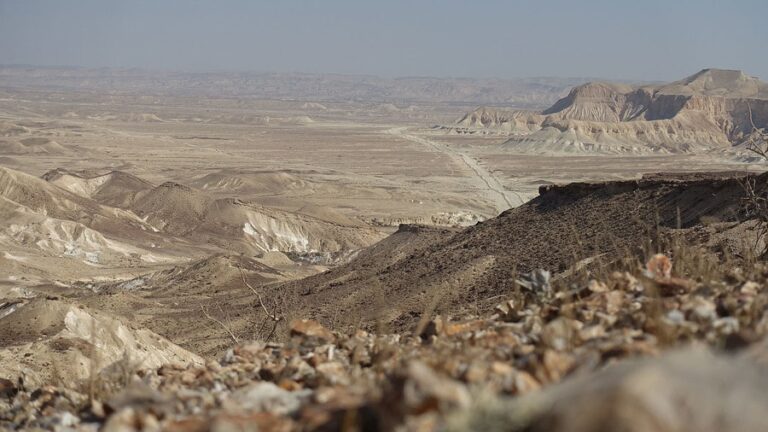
596	102
708	111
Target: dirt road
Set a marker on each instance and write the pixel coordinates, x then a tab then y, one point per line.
502	198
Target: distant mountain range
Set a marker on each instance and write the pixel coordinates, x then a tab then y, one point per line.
533	93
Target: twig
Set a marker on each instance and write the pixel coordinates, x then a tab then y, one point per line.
207	315
272	332
756	206
273	317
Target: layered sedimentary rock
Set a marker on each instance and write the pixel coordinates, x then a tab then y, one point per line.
711	110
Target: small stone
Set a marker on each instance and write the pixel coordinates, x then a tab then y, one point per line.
475	373
500	368
659	267
333	373
537	281
188	377
750	288
592	332
452	329
675	317
433	328
726	326
249	351
289	384
213	366
67	419
702	309
361	355
299	370
125	420
7	388
525	382
266	397
251	422
507	312
557	364
139	396
189	424
597	286
560	333
311	329
613	302
97	409
427	391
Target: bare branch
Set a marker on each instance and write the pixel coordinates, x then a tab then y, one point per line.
224	326
273	317
756	206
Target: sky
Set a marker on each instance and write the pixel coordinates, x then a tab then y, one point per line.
621	39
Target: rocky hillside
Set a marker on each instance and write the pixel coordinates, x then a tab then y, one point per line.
708	111
564	229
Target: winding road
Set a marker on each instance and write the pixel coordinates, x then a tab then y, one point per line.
502	198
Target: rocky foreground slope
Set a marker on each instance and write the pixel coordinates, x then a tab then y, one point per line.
579	360
710	110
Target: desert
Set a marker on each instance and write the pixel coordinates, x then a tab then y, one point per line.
249	240
176	231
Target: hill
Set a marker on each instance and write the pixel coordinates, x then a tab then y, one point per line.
29	146
231	224
43	220
42	332
114	189
250	183
242	226
564	229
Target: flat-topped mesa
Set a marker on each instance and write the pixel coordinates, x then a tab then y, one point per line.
658	101
711	110
594	102
718	83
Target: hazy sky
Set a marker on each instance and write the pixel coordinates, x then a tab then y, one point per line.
632	39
